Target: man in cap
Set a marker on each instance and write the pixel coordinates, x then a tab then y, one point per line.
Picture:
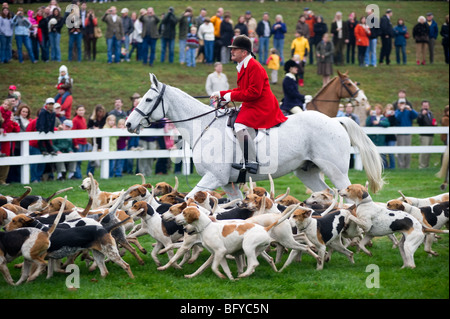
11	90
46	123
260	108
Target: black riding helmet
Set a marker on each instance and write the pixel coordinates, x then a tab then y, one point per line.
243	42
289	64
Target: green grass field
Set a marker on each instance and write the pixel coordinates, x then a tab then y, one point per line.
338	280
97	82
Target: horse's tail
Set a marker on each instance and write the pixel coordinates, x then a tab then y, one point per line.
370	157
444	167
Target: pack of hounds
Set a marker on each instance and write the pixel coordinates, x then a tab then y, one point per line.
50	233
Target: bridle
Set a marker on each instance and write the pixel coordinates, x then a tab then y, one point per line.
352	94
159	100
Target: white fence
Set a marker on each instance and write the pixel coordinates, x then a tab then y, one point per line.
104	156
185	154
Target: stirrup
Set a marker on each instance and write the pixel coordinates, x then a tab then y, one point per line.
251	167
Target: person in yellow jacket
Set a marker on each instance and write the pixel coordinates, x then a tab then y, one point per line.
273	63
300	47
216	21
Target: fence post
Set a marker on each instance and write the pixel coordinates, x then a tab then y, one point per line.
104	166
25	168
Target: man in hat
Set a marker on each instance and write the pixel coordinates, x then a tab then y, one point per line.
260	108
46	123
11	90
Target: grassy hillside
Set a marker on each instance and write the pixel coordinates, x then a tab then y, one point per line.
97	82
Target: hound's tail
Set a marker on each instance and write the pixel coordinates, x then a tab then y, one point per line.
370	157
431	230
58	192
16	201
58	217
286	214
112	227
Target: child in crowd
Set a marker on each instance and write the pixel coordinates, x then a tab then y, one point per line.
273	63
192	45
300	47
111	123
255	42
301	69
237	32
121	146
65	79
65	145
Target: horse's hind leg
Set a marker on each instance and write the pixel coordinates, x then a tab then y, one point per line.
311	178
336	171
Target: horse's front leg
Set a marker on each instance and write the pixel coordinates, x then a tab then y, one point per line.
208	182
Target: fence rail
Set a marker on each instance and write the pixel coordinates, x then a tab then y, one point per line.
25	159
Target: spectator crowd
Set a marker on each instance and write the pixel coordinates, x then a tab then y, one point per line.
201	39
205	38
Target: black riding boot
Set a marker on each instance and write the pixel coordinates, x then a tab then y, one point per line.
247	144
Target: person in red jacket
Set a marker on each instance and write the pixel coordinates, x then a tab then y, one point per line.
66	103
7	126
79	144
260	108
362	32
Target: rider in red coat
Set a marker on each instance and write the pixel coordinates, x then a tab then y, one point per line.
260	108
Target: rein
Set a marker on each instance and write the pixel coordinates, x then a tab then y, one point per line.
160	100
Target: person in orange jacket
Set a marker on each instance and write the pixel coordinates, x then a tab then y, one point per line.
362	32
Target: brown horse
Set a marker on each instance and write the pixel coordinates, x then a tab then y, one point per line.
327	99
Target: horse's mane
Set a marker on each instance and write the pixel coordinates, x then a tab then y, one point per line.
188	96
324	87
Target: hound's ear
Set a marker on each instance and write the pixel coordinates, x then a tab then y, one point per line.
307	213
365	194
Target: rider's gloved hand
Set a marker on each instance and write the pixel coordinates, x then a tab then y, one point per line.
215	95
227	97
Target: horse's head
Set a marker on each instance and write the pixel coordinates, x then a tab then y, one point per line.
351	90
150	107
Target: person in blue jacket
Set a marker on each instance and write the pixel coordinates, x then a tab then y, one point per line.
434	32
22	32
293	100
278	30
404	116
400	31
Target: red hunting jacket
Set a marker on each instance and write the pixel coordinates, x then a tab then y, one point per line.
260	108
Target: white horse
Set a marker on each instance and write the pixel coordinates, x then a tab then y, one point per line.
306	144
